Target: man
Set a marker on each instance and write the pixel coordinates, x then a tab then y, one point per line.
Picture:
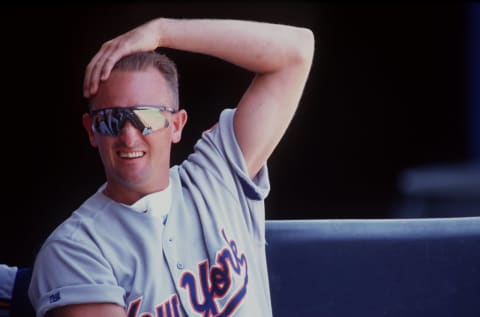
186	240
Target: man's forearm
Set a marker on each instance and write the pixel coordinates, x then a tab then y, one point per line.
257	46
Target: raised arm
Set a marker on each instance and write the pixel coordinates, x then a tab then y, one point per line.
280	55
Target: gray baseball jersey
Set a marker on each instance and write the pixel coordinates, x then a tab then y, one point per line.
206	257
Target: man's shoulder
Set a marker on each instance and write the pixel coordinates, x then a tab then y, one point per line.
75	225
67	230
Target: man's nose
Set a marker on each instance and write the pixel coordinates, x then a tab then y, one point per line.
129	134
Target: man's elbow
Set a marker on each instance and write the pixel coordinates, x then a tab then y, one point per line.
305	46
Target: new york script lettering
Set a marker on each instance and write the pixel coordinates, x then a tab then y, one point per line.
207	287
215	283
169	308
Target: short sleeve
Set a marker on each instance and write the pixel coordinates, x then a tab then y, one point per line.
218	166
219	146
72	272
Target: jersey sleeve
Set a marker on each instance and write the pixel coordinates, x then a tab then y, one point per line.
218	168
256	188
69	272
218	150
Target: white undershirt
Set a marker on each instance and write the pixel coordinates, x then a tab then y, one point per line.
156	204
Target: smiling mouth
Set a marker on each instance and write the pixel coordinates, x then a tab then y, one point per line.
131	155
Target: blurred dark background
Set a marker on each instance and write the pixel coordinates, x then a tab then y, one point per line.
387	127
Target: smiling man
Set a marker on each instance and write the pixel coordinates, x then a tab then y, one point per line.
183	240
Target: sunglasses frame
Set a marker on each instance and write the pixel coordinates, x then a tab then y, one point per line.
129	114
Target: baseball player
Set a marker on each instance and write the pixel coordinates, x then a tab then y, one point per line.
184	240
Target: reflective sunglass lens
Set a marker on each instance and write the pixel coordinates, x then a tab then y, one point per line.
145	119
153	119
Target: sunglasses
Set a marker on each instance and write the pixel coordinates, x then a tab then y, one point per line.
146	119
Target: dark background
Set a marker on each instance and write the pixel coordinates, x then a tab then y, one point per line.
387	93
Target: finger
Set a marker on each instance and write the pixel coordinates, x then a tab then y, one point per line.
96	67
88	75
112	53
94	76
110	61
102	63
89	70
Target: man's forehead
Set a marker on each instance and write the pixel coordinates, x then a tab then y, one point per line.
129	88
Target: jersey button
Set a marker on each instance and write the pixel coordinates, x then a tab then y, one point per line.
180	265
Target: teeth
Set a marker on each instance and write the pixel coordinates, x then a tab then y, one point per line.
131	154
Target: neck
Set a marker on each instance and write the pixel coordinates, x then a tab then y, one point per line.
129	196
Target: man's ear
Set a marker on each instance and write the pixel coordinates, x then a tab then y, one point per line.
179	120
87	124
